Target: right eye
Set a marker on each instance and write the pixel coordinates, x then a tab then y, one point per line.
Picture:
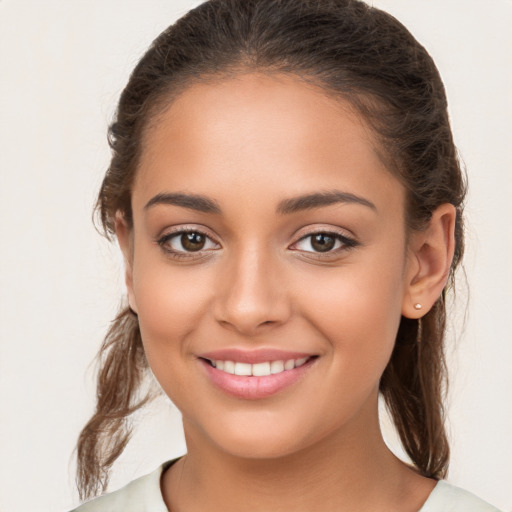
185	243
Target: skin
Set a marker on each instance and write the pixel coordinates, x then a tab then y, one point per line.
249	143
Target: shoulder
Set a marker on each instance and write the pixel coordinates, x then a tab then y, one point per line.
448	498
140	495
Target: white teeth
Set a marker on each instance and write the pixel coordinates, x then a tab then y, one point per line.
289	365
300	362
276	367
261	369
229	366
258	369
243	369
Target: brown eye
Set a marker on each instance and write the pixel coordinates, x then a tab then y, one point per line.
322	242
186	242
325	242
193	241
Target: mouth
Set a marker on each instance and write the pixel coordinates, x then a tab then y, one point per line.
262	369
255	375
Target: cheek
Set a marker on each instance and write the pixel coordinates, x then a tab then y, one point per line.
170	303
357	308
357	313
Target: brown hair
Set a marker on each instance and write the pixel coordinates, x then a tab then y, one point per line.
355	52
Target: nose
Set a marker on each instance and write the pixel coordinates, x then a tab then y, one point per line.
251	293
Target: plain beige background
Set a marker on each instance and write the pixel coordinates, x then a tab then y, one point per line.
63	64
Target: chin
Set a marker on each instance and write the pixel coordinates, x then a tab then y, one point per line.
258	447
253	439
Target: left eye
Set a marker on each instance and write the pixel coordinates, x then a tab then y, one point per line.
323	242
186	241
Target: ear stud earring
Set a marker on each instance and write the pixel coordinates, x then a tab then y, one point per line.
417	306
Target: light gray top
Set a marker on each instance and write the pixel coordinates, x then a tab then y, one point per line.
144	495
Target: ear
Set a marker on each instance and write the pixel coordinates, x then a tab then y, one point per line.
124	234
430	257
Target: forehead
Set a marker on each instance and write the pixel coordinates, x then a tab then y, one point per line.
271	134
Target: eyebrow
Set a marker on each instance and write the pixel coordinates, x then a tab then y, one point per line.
285	207
319	199
191	201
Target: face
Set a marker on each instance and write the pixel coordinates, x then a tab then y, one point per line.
268	241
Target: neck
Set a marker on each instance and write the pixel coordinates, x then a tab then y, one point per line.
349	470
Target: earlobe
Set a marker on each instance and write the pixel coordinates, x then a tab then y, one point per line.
431	253
124	234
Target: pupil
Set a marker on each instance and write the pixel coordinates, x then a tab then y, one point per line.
192	241
323	243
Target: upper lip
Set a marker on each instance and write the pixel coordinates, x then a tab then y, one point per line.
252	356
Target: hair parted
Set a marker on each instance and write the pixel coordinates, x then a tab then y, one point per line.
352	51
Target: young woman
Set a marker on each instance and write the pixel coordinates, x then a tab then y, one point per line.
287	196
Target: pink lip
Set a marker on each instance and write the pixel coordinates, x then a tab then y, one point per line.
254	388
252	356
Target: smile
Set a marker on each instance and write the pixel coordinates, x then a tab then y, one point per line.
254	375
262	369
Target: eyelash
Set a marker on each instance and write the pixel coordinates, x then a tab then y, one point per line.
162	241
347	243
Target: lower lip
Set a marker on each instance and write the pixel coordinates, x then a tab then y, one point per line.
255	388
